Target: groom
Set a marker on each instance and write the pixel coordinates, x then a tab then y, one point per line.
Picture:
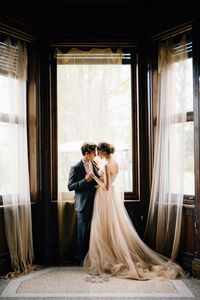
85	187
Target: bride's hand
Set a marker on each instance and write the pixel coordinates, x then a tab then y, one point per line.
91	174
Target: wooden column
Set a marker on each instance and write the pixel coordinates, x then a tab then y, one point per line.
143	133
196	69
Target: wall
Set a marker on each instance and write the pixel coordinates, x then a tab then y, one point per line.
53	32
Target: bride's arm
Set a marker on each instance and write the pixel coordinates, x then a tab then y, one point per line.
105	183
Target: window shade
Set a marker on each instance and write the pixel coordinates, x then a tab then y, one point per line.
12	58
94	56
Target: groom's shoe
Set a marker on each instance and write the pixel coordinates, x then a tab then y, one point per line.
81	263
77	257
79	260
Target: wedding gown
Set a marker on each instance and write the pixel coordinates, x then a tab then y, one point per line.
115	247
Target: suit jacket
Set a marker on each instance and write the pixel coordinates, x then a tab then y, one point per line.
84	191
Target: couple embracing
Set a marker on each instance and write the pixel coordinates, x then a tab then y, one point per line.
114	246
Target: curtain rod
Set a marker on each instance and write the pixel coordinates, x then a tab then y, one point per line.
177	33
172	32
89	45
16	33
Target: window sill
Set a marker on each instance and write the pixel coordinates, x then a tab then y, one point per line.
72	201
2	206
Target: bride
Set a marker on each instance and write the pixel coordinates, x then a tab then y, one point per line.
115	247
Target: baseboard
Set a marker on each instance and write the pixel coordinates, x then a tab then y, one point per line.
185	260
44	256
5	265
196	268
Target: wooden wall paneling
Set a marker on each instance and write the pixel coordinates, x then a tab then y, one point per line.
32	124
3	242
5	265
37	208
48	212
186	248
34	121
196	72
133	210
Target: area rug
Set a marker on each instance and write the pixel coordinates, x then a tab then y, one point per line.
74	282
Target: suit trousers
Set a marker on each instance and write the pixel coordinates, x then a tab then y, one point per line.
83	230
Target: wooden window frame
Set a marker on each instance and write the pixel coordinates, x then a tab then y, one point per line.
153	98
12	31
129	196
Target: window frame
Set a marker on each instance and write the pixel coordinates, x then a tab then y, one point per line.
129	196
4	118
153	98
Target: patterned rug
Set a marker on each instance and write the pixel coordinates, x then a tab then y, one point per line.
74	282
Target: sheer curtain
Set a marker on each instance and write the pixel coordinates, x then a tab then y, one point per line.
13	126
166	202
92	95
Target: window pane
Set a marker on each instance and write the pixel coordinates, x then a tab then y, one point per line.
184	100
184	85
8	101
189	153
182	132
94	105
8	161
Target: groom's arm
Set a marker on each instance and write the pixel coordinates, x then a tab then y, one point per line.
74	183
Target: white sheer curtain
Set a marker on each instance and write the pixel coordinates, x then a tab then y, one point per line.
166	203
13	127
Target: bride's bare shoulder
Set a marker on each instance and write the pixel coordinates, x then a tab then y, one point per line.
113	165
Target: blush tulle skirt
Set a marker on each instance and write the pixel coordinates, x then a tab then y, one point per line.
115	247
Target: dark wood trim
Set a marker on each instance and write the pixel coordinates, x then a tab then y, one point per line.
129	196
53	96
196	268
14	28
32	122
152	100
190	116
196	74
88	44
173	31
134	195
44	214
144	145
5	263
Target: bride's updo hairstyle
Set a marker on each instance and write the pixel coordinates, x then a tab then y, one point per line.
105	147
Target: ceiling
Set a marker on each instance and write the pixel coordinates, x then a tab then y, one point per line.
96	18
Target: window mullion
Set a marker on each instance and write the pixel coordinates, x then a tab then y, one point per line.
9	118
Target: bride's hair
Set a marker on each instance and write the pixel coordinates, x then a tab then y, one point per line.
105	147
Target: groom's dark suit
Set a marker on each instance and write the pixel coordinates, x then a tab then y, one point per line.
84	199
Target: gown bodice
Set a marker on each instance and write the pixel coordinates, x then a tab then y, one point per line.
112	171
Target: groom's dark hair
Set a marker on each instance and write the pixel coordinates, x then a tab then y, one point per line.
88	147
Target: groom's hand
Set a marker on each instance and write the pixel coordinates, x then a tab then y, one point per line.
88	177
96	164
